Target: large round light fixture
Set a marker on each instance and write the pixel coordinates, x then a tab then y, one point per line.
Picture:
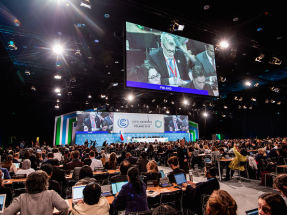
224	44
58	49
130	97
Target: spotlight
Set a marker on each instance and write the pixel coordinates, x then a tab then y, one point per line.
225	106
250	107
235	98
259	58
266	101
193	104
164	107
96	41
57	106
33	88
174	26
59	94
224	44
279	103
172	102
165	101
179	108
239	107
107	16
275	61
58	100
205	114
272	101
240	99
58	49
247	83
57	90
167	111
253	99
221	79
223	115
115	84
57	76
103	96
130	97
78	53
244	107
12	46
86	5
203	104
206	7
27	72
153	100
147	106
185	102
89	96
275	89
107	97
256	85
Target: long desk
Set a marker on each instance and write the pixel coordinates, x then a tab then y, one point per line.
10	181
148	140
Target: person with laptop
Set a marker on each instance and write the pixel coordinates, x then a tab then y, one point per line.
75	162
85	176
92	202
5	190
38	200
132	196
174	165
11	167
142	162
26	168
16	158
194	191
271	204
124	166
220	202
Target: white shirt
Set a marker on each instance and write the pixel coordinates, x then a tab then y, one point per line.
13	168
25	171
171	80
96	163
58	156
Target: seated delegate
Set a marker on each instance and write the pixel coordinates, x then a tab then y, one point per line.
271	204
37	200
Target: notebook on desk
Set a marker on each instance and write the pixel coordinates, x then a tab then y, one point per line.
2	202
116	187
180	179
77	193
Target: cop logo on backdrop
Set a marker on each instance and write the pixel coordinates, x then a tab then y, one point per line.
123	123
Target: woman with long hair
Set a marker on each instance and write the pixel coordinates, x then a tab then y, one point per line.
220	203
132	197
112	163
271	204
9	165
103	159
152	171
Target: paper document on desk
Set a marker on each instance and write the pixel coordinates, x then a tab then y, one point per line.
154	194
164	190
56	210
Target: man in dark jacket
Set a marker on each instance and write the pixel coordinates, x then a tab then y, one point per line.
194	191
131	159
75	162
142	162
58	174
53	185
125	165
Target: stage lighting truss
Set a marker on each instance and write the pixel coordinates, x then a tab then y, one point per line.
86	5
259	58
275	61
27	72
12	46
174	26
78	53
256	85
33	88
253	99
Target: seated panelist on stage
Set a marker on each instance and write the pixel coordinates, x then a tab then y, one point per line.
149	74
92	123
206	60
38	200
123	176
198	81
170	62
92	203
174	165
194	191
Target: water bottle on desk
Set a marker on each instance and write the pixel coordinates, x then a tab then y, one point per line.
190	176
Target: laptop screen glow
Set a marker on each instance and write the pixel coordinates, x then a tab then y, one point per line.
116	187
180	178
78	192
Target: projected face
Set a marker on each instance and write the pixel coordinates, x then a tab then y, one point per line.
210	51
199	82
153	77
168	46
92	116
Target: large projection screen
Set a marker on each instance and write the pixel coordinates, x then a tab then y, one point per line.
163	61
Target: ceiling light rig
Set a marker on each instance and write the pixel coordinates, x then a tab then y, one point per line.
279	103
165	101
244	107
224	44
222	79
240	99
275	61
256	85
253	99
250	107
174	26
259	58
272	101
266	101
275	89
248	83
239	107
58	77
236	98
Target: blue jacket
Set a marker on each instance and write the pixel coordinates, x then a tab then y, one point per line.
129	200
6	173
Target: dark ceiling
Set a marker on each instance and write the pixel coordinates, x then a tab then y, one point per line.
96	68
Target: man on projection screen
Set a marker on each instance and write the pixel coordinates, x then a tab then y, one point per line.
170	62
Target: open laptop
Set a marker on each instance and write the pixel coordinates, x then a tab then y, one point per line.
2	202
162	173
116	187
77	193
17	165
106	190
252	212
180	179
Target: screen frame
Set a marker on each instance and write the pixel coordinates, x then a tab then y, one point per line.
155	90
